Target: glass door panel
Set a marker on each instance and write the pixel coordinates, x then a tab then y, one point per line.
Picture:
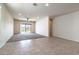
25	28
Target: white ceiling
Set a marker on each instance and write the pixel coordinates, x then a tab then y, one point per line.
30	11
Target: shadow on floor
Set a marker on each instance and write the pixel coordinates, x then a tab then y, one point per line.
25	36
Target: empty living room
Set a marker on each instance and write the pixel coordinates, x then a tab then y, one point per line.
39	28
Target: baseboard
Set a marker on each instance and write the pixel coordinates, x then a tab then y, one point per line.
66	39
2	43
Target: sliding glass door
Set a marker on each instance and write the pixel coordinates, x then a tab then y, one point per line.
25	28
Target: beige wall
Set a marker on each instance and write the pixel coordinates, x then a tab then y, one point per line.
6	25
42	26
17	26
67	26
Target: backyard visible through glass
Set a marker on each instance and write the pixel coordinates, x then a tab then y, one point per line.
25	28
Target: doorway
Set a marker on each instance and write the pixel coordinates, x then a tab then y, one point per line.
25	28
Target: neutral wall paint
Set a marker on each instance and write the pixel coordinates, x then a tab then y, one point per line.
6	25
42	26
17	26
67	26
0	19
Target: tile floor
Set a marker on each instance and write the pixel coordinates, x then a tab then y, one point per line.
41	46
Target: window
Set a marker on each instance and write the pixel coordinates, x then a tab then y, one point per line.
25	28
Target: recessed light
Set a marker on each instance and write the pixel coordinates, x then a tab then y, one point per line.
46	4
20	14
